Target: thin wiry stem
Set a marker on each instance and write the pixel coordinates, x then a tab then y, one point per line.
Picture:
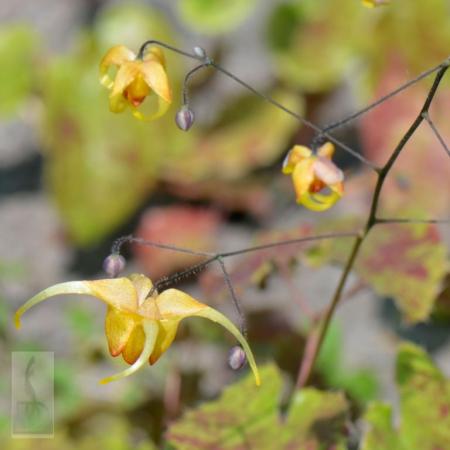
187	77
297	116
212	257
318	334
243	324
289	242
322	132
206	61
436	132
403	141
412	221
355	115
168	47
117	245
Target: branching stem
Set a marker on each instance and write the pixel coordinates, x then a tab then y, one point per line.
317	335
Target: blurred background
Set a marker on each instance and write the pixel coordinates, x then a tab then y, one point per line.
74	177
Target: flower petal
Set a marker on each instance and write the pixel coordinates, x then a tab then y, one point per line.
118	293
134	345
163	106
156	77
318	202
142	284
216	316
150	330
118	329
125	76
338	188
71	287
166	335
297	154
116	55
303	176
155	54
326	150
175	304
326	171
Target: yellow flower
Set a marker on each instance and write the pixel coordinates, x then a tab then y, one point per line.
311	173
374	3
135	80
138	326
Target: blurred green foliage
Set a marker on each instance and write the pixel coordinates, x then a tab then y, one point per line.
360	384
321	44
112	436
424	407
214	16
18	53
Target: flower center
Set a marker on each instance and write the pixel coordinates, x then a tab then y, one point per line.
136	92
316	186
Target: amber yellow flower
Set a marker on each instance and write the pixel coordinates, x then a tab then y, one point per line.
312	173
140	326
136	78
374	3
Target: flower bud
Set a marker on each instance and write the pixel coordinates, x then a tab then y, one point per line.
114	264
200	52
184	118
236	358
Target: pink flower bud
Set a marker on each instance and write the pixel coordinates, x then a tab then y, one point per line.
236	358
184	118
114	264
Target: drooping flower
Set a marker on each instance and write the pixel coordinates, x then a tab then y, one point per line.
375	3
135	80
312	173
140	324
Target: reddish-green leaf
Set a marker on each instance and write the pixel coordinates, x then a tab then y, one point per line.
406	262
246	416
182	226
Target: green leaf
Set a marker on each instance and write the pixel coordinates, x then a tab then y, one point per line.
214	16
424	407
246	416
17	54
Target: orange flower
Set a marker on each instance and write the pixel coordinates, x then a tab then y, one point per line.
311	173
135	80
139	326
